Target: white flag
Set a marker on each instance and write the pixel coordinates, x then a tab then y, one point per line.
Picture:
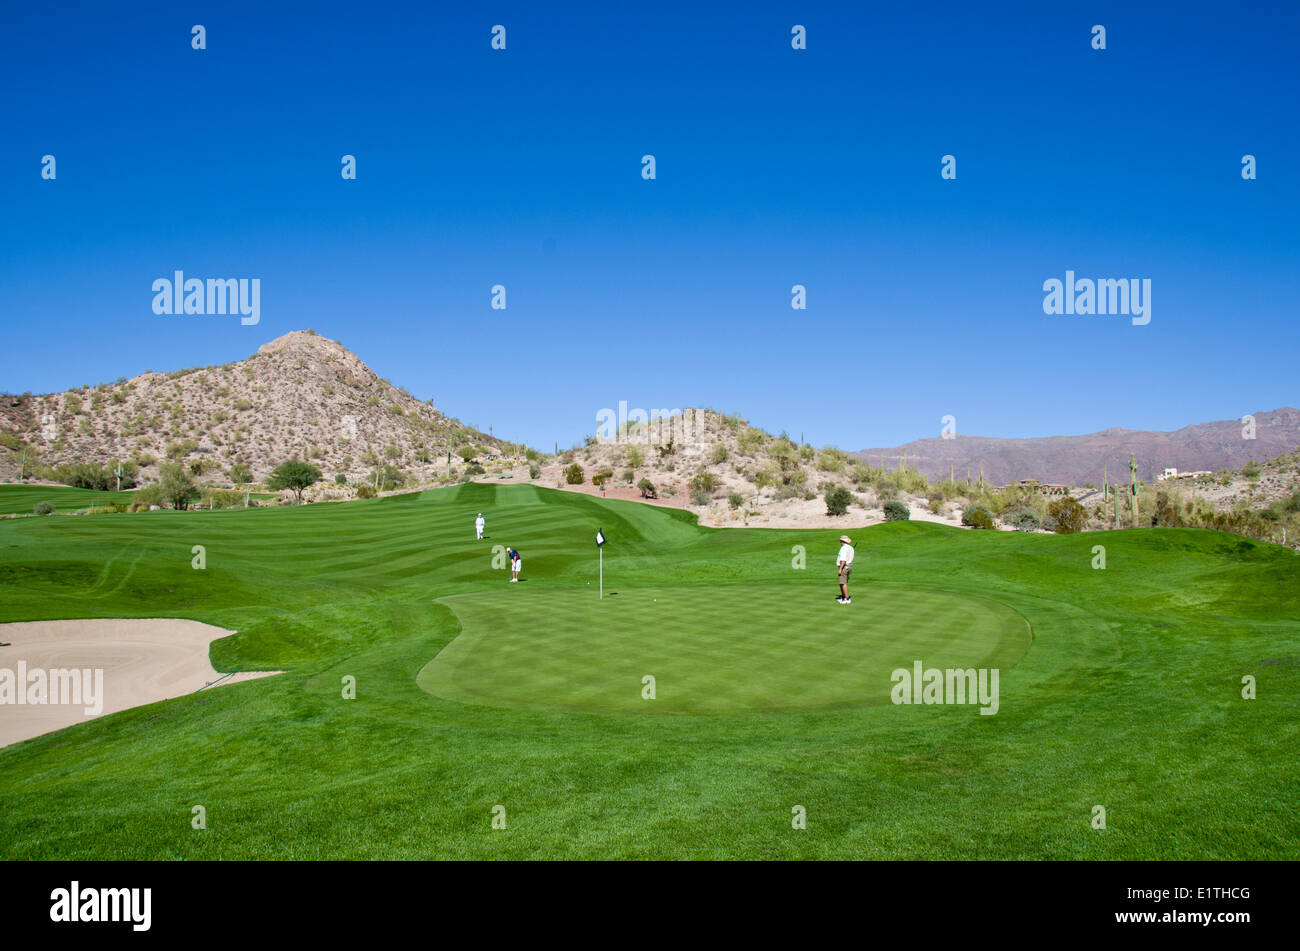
600	538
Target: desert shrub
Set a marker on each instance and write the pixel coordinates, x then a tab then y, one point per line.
243	405
911	480
1024	520
719	453
573	474
474	469
632	456
735	500
838	500
366	492
534	471
1250	470
832	460
706	482
240	472
179	450
388	477
749	439
732	421
44	508
340	479
765	477
647	489
72	404
91	475
977	516
896	511
699	497
603	476
1067	516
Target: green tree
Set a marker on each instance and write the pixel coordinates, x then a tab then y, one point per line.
240	472
293	474
647	489
175	485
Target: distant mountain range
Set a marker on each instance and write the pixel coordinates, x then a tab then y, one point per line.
1074	460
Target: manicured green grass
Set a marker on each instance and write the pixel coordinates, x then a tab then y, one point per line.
64	498
719	649
1128	695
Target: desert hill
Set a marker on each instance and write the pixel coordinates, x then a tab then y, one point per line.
300	395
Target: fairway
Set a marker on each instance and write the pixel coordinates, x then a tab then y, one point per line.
726	649
471	691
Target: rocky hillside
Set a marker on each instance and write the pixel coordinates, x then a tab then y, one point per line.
1076	460
720	467
300	395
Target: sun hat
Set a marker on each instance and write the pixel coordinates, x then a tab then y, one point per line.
846	540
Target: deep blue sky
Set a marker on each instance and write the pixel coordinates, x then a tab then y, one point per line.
775	167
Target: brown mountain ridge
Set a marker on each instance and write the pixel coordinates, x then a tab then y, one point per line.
1076	460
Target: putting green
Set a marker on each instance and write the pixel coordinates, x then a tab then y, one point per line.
728	649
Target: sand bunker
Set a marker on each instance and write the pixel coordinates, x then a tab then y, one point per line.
143	661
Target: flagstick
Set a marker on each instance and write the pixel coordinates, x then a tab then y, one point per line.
602	572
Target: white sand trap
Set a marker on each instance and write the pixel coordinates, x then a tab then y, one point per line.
143	661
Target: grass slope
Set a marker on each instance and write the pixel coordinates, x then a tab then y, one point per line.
23	499
1128	696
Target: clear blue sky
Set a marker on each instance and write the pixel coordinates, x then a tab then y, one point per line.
775	167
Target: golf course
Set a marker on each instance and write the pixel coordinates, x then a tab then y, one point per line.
1120	686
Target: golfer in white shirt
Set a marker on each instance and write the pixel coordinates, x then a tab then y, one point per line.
844	561
478	526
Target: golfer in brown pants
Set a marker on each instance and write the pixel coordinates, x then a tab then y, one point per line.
844	561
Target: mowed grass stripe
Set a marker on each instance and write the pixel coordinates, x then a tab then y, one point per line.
710	650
